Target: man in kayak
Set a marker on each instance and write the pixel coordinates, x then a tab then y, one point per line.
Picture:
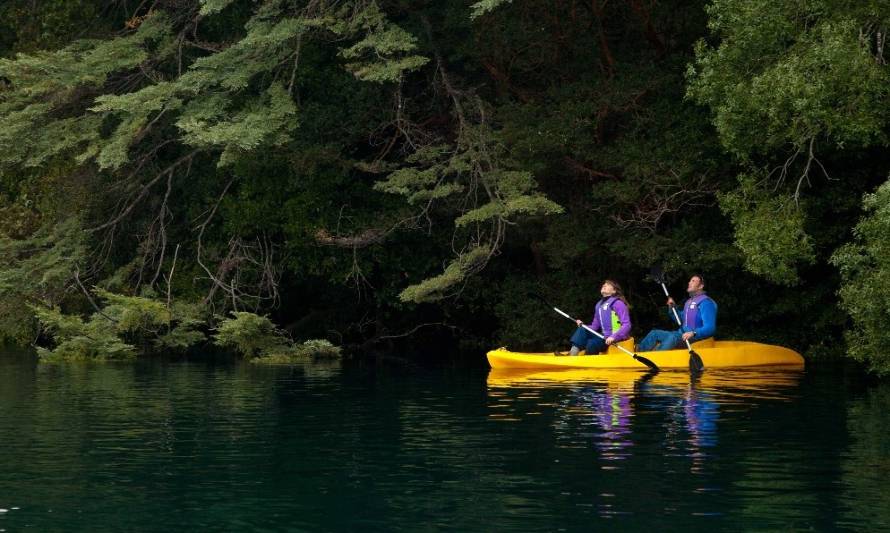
699	319
611	318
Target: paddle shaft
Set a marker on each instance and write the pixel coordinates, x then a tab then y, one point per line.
676	316
640	358
597	333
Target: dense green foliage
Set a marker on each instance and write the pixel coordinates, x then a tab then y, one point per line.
374	170
865	265
127	325
800	92
790	84
258	339
123	326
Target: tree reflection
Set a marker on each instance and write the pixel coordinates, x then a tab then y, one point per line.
866	465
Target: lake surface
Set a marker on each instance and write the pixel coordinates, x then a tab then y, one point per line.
162	446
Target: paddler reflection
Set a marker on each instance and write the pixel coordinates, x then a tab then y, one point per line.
692	425
612	409
613	413
692	417
607	400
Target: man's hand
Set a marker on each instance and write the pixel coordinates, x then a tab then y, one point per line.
610	340
578	322
688	335
671	302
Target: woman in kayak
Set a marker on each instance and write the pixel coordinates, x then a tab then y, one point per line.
699	318
611	318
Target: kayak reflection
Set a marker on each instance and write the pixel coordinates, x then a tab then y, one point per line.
725	384
602	405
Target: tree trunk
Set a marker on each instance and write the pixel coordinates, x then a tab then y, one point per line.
648	29
608	59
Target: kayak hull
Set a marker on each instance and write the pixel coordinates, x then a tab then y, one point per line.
714	354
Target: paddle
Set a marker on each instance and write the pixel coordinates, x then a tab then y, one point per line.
696	365
639	358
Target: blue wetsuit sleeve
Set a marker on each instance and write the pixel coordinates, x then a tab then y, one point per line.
671	315
708	313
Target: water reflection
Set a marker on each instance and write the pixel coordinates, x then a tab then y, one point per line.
866	462
227	447
613	414
695	413
91	440
777	383
602	405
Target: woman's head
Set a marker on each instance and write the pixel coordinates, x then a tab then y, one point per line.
611	288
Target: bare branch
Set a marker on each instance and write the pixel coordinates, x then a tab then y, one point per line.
258	258
361	240
660	200
170	278
413	330
293	74
90	298
144	191
201	228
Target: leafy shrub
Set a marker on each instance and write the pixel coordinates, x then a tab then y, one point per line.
115	331
258	339
251	335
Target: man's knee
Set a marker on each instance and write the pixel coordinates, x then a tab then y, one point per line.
670	340
649	341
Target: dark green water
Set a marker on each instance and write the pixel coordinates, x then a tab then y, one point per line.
196	446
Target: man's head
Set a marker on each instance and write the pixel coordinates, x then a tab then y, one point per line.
696	284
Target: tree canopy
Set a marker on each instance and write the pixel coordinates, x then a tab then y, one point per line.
373	170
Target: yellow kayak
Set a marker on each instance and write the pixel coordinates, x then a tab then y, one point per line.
714	354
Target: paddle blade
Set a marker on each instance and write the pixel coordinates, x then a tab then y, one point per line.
657	274
647	362
696	365
538	297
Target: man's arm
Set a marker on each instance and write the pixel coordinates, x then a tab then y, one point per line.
707	310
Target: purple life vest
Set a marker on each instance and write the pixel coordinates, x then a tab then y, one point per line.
690	311
608	320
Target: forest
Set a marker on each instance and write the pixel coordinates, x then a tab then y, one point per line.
399	176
